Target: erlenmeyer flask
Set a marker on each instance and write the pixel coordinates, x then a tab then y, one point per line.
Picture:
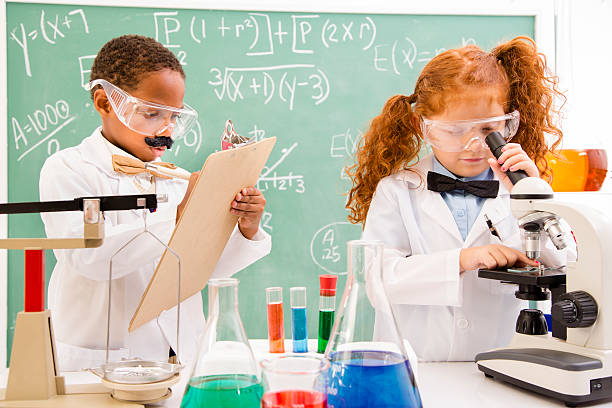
364	371
225	373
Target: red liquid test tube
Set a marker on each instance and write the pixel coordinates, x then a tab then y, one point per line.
276	326
34	296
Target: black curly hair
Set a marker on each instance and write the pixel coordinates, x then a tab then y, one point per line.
123	61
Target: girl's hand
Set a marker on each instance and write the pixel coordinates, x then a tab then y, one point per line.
491	257
513	158
248	205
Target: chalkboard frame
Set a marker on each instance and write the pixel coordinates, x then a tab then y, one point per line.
541	10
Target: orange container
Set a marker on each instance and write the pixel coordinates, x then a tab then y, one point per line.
578	169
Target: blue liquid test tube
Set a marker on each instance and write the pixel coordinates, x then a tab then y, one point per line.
298	319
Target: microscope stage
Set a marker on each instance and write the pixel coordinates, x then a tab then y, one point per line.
548	278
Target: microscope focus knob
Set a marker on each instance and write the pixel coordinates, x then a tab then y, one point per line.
575	309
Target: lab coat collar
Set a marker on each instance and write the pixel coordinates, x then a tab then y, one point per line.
95	151
433	204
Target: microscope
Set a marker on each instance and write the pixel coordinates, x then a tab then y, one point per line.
572	362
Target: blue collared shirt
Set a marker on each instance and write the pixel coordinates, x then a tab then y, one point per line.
465	207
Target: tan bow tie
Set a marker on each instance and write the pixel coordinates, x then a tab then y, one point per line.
128	165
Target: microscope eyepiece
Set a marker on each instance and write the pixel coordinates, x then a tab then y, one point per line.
496	141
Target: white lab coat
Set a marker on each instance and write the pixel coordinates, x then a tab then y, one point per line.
445	315
78	288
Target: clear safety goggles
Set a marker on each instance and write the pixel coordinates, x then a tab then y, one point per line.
147	118
458	135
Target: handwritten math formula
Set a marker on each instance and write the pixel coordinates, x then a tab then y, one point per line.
266	35
274	176
41	125
52	29
294	39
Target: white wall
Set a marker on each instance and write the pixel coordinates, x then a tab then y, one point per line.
584	66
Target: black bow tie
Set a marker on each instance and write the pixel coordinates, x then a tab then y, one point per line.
480	188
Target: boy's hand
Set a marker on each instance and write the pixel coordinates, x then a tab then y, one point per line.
248	205
513	158
491	257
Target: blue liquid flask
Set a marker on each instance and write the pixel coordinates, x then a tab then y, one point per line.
298	319
367	371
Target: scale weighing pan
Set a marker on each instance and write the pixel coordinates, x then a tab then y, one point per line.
136	371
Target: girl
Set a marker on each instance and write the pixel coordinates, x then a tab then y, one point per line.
143	69
436	241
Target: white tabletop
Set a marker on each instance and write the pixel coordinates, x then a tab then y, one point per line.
456	384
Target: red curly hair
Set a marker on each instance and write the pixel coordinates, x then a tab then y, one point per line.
393	141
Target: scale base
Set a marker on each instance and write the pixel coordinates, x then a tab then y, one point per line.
141	393
73	401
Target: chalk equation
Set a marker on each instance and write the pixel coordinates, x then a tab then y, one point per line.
42	125
266	222
344	145
42	128
403	55
192	141
283	81
52	29
271	177
271	180
328	246
265	35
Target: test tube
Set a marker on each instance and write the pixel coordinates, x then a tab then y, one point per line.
298	319
327	307
276	326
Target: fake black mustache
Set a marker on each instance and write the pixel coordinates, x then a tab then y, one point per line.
159	141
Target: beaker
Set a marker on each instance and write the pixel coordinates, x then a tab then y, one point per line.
225	373
367	371
295	381
578	169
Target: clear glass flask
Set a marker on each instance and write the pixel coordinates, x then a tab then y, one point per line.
225	373
366	371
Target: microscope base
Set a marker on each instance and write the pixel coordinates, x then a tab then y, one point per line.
554	368
569	400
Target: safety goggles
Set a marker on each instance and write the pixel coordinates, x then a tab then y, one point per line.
147	118
458	135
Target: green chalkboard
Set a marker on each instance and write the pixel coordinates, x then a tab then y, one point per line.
313	80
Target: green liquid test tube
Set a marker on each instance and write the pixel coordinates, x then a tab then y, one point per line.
327	307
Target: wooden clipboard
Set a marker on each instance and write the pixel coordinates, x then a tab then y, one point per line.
203	229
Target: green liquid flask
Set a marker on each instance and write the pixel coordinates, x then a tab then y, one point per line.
225	373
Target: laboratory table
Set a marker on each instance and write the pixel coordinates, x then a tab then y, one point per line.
453	384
